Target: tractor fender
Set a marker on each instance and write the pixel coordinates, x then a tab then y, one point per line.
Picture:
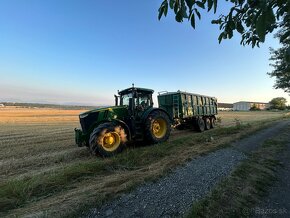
149	111
120	122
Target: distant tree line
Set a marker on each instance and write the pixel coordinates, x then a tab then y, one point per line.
278	103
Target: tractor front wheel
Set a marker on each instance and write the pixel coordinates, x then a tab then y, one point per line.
107	139
157	127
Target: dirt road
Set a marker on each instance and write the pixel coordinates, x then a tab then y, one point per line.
173	195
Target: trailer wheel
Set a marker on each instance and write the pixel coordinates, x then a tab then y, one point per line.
107	139
157	127
212	122
207	123
200	124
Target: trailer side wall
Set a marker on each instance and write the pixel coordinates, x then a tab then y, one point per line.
184	105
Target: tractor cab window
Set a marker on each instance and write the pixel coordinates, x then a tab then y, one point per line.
140	100
143	101
126	99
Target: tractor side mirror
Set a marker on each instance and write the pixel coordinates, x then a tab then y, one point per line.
116	100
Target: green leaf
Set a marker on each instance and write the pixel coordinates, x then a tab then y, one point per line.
221	37
192	21
254	43
200	4
171	3
184	14
215	21
240	27
165	9
288	54
261	26
232	24
179	16
197	13
284	36
270	16
184	10
214	5
230	33
189	3
176	6
161	11
209	4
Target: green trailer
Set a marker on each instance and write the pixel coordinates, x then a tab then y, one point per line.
189	109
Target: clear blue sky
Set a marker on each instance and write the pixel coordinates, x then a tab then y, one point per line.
74	51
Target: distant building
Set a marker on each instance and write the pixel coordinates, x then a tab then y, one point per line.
247	105
2	105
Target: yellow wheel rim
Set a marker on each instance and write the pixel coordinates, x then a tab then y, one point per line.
159	128
111	141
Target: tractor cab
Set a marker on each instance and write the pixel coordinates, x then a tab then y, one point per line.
137	99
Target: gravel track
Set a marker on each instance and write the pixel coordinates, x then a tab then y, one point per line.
173	195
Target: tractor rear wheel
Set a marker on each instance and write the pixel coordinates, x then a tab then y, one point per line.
207	123
200	124
107	139
157	127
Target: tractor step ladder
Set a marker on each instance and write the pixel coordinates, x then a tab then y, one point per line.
139	130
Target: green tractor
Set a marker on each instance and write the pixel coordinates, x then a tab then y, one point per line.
106	131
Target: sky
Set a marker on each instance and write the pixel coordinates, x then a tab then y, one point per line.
82	52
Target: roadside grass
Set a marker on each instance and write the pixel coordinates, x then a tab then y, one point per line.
92	181
238	193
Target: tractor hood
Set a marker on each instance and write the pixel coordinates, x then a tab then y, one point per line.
112	109
91	118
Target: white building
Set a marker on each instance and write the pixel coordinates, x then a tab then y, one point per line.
246	105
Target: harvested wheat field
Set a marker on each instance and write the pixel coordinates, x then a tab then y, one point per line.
232	117
37	115
43	173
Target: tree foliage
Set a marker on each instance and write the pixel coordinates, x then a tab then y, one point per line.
253	19
278	103
281	57
255	108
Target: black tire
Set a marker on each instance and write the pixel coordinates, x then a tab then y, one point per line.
207	123
200	125
212	122
157	127
108	139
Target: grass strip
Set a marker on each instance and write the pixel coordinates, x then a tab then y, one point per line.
237	194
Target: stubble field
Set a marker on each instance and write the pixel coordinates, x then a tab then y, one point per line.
43	173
